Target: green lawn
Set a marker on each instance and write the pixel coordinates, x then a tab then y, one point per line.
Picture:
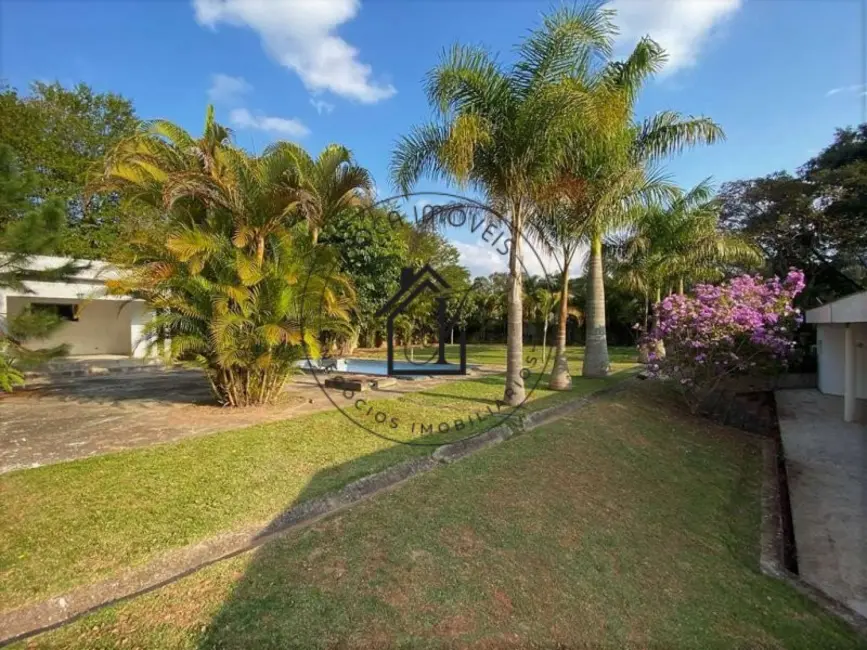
495	354
73	523
628	524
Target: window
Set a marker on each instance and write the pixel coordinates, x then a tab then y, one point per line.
62	311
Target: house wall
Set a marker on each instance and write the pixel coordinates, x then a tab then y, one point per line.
830	341
103	327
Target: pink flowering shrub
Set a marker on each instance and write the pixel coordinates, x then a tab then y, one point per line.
742	327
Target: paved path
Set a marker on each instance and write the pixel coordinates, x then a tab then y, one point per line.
826	463
88	416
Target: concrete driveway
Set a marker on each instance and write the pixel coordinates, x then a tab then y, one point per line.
86	416
74	418
826	463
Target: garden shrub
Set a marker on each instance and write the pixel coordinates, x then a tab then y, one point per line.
742	327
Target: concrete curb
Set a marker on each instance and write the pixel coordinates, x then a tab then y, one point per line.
772	561
55	612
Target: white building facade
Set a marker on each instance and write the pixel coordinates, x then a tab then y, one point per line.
842	350
94	323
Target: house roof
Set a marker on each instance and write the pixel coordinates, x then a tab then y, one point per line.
851	309
94	270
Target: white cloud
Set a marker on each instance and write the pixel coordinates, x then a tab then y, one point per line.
227	90
680	26
845	89
244	119
301	35
321	106
483	259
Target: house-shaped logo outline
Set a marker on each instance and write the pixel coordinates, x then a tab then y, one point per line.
410	289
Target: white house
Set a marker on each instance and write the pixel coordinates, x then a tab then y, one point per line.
842	350
96	323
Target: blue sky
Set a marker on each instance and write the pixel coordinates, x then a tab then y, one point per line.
778	75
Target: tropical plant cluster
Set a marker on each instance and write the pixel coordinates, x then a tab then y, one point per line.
253	260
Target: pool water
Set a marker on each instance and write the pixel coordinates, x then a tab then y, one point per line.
377	367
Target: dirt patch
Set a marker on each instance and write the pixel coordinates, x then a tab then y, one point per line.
455	626
462	541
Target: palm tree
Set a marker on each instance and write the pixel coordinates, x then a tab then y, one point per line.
676	245
500	131
559	235
610	168
539	301
234	277
139	166
328	184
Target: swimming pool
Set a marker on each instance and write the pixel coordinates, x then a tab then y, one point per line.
377	367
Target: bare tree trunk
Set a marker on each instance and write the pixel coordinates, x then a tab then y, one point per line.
514	392
596	362
560	378
680	285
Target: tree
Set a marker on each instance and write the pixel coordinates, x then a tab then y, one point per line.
742	327
814	220
839	176
57	135
372	251
673	246
560	235
235	279
678	245
489	300
327	185
540	299
139	166
610	167
27	228
500	131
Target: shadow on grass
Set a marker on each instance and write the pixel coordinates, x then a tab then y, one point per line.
273	606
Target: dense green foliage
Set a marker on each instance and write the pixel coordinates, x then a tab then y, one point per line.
815	220
552	142
26	229
239	286
58	134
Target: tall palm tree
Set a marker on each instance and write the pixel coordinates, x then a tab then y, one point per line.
676	245
328	184
560	234
611	167
500	131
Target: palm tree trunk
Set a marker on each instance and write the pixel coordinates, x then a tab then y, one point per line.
660	346
643	349
260	249
560	378
596	347
514	392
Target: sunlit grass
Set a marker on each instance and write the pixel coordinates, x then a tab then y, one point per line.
75	522
626	525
